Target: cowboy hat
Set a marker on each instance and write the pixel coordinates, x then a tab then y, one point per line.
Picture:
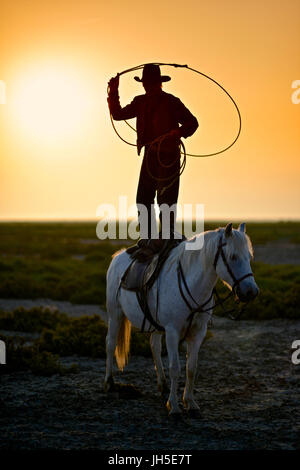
151	73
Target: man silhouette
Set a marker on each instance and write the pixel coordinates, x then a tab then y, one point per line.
157	113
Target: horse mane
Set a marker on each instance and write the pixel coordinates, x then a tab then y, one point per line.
239	243
118	252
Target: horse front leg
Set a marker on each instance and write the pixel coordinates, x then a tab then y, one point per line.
172	341
194	341
155	343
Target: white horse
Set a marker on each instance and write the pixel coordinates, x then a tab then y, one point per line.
226	254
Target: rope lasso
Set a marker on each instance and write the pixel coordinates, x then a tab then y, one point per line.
138	67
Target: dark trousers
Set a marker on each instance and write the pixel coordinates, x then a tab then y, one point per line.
159	176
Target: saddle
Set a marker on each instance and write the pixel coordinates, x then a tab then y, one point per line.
144	270
146	263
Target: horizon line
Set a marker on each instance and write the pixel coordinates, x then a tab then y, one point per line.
96	220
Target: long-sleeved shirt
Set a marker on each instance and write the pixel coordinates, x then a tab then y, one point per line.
155	115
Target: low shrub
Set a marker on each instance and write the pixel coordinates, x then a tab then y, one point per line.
20	357
32	320
60	336
84	336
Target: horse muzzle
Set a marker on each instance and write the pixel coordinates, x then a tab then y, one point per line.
247	292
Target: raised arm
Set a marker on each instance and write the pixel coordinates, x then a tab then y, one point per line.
118	113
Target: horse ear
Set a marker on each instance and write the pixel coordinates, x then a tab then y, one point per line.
228	230
242	227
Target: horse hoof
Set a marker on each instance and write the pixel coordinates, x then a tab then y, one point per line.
109	385
194	413
174	414
175	417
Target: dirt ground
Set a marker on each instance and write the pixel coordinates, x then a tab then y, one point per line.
248	390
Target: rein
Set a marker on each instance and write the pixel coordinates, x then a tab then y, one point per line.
200	307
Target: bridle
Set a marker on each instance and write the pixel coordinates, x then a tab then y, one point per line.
200	308
220	251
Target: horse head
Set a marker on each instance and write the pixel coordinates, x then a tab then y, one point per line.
232	262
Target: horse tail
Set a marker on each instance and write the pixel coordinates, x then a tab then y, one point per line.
123	344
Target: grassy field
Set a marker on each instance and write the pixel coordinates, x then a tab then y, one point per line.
66	261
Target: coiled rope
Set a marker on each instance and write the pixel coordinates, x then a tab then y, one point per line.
174	176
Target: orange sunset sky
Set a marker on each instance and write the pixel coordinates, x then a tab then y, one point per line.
59	157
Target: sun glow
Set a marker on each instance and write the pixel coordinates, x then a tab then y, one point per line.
51	104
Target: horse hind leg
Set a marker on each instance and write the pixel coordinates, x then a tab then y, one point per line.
115	334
